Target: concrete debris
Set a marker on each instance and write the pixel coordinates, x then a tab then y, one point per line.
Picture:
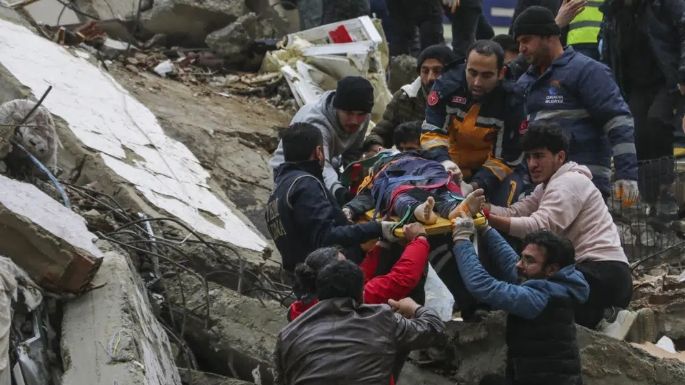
109	335
120	9
124	135
164	68
242	336
47	240
315	59
189	376
188	22
234	42
666	344
402	71
37	134
479	352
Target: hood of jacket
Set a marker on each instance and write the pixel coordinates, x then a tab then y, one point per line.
566	283
325	105
571	167
414	88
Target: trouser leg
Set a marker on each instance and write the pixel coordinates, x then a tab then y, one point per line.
611	284
464	25
402	29
429	21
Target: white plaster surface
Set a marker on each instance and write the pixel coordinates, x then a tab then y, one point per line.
107	119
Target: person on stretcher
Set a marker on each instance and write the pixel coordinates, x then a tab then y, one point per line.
412	187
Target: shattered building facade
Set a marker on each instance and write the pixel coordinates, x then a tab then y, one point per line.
145	261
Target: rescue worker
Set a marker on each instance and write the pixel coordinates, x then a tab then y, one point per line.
301	213
522	5
581	95
584	21
367	339
342	116
644	43
472	121
408	15
515	64
409	102
566	202
542	348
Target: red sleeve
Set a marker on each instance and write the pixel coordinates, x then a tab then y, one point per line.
404	276
370	263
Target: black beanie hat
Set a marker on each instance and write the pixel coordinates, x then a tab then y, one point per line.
439	52
354	93
536	20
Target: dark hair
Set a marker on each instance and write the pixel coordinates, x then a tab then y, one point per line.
545	135
370	141
557	249
299	141
407	132
506	42
340	279
305	273
488	48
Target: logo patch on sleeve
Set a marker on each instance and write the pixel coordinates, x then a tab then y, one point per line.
523	128
433	98
459	100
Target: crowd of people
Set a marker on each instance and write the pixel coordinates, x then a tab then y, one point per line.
517	142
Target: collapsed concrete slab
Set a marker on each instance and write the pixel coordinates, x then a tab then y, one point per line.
110	335
46	239
188	22
242	334
234	41
124	140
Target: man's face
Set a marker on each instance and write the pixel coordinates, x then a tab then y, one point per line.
533	264
482	74
510	56
351	121
536	49
430	70
319	156
542	164
408	146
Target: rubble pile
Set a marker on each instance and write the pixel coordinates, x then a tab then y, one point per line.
158	272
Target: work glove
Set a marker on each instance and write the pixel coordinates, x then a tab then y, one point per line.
348	214
387	229
342	195
451	4
463	229
452	168
626	191
471	205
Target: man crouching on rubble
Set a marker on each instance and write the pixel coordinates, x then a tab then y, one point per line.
541	332
302	214
341	341
343	117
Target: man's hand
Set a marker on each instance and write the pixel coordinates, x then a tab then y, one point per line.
387	229
626	191
413	230
568	11
452	168
406	307
463	229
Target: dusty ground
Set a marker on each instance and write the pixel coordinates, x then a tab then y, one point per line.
232	137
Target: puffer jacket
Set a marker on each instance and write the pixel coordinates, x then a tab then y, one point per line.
339	341
339	147
580	95
407	104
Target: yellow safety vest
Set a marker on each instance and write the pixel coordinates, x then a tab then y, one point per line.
584	28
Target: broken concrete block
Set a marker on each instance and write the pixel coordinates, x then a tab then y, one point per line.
37	134
128	146
233	42
189	376
188	22
106	9
402	71
242	334
110	335
46	239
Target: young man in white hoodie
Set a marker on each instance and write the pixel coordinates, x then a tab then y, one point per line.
566	202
